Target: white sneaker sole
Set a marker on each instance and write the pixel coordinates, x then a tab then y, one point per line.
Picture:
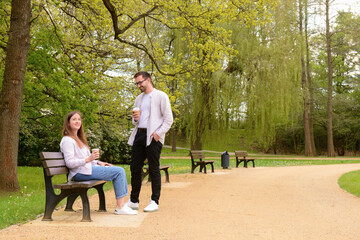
154	210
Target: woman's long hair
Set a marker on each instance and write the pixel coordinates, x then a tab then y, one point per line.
67	131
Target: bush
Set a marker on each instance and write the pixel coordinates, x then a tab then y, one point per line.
34	139
114	148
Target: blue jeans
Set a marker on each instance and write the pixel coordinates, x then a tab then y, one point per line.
114	174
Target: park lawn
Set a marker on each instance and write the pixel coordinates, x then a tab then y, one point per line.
350	182
29	202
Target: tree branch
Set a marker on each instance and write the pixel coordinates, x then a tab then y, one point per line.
110	7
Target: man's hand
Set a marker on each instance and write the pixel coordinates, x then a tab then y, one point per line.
136	115
155	136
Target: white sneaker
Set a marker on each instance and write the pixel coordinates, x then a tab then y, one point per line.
125	210
130	204
152	207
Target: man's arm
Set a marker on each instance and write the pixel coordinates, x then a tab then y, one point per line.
166	112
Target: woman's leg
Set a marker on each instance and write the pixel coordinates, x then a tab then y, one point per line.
114	174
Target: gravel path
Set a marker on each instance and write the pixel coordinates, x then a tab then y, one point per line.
302	202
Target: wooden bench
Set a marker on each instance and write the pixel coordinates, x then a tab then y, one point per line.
162	167
241	156
54	164
198	154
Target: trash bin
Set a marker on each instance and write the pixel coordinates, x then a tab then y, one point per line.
225	160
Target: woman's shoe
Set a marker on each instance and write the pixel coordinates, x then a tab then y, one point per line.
125	210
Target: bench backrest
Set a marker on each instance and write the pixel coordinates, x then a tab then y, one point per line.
196	154
242	154
53	163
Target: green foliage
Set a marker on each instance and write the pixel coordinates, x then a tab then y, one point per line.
267	71
5	10
230	140
52	89
345	50
114	147
224	65
33	140
67	71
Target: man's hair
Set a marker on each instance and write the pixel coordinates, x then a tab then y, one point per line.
145	75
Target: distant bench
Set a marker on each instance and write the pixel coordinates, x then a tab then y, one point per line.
54	164
162	168
241	156
198	154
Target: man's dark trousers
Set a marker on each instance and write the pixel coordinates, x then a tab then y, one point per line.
140	152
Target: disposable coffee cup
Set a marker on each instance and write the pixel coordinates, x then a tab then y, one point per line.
96	150
136	109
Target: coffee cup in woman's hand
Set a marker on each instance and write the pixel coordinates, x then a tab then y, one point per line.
95	153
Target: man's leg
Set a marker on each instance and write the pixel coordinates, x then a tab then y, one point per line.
137	162
153	152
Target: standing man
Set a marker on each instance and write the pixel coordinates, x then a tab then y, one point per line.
151	123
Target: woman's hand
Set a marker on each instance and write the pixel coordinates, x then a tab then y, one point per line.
104	163
94	155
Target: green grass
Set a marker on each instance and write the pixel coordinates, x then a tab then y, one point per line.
350	182
29	203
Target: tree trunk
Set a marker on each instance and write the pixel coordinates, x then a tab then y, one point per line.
308	149
12	91
173	140
202	114
196	143
310	87
330	141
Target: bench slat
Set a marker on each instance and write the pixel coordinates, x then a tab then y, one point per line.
241	154
56	171
161	167
205	161
195	154
51	155
53	163
83	184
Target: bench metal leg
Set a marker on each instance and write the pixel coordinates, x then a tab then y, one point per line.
212	167
167	175
239	161
51	199
144	174
203	166
86	205
70	202
147	173
50	205
253	161
192	169
100	190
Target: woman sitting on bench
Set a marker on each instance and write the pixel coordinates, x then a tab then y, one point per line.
84	167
